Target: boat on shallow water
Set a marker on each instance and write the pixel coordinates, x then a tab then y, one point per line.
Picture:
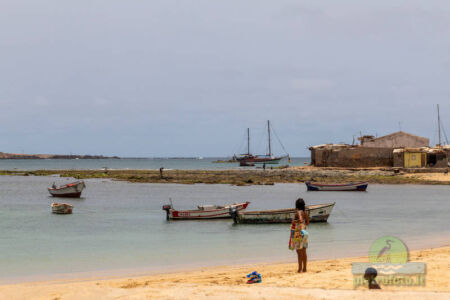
352	186
71	190
249	160
317	213
204	212
61	208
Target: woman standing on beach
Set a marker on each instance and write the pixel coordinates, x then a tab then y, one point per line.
299	235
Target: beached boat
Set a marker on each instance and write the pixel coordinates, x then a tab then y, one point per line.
72	190
317	213
61	208
352	186
204	212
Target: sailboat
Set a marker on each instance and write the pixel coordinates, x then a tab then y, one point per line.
446	146
249	159
440	127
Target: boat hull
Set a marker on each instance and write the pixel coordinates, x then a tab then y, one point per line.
71	190
317	213
221	213
61	208
359	186
67	195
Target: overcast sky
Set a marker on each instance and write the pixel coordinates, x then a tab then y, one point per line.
186	78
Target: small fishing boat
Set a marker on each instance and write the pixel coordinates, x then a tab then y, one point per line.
204	212
352	186
317	213
72	190
61	208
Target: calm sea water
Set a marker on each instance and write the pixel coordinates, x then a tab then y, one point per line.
120	226
130	163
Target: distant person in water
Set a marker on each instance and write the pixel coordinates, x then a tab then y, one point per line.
301	220
161	172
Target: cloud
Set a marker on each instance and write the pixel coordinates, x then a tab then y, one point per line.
100	101
311	84
42	101
153	77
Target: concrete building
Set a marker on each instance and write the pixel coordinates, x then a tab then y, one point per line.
399	149
437	158
398	139
420	158
410	158
332	155
447	151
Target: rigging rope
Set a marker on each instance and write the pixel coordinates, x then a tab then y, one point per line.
445	135
279	141
243	139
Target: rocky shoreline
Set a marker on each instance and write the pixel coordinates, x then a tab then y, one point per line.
249	177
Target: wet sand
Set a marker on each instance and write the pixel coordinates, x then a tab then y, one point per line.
325	279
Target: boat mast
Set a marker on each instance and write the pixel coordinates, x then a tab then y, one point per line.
268	131
248	141
439	126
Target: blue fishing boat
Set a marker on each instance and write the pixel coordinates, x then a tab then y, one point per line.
352	186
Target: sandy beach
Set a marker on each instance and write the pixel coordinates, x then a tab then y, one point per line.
325	279
431	177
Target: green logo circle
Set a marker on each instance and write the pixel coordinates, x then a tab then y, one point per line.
388	249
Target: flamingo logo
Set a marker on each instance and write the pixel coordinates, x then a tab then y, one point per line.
388	249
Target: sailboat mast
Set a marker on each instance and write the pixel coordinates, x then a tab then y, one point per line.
248	141
268	131
439	125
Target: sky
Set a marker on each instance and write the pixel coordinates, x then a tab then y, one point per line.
143	78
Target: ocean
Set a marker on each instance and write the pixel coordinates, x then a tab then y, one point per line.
206	163
120	228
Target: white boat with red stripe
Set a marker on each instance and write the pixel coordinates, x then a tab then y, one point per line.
204	212
316	213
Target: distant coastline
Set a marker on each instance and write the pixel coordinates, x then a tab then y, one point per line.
52	156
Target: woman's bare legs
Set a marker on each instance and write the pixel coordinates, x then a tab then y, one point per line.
304	258
300	260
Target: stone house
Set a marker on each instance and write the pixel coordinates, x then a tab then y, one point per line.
342	155
376	152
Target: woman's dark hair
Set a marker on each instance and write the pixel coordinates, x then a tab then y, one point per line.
300	204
